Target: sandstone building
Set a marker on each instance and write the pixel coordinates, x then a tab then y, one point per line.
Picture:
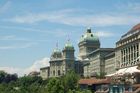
92	59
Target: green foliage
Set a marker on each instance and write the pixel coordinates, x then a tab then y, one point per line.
70	81
101	75
6	78
24	84
55	86
28	84
63	84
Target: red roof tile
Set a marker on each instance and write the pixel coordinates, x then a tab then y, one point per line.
136	27
94	81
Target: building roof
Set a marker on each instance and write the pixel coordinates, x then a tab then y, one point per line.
69	46
43	68
101	49
34	73
56	50
110	54
89	36
93	81
123	71
135	28
56	54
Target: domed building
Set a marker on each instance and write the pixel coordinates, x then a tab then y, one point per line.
57	54
88	43
55	63
128	48
62	61
91	55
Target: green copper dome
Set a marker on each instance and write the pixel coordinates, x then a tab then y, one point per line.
56	50
89	36
68	45
56	53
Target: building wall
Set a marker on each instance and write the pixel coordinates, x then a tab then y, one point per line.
87	47
56	68
86	71
129	49
110	67
97	62
44	72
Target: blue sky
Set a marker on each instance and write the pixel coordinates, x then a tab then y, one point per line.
30	29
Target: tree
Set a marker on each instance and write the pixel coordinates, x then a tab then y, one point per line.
55	86
70	81
101	75
6	78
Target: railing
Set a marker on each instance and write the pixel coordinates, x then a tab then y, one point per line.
102	91
137	91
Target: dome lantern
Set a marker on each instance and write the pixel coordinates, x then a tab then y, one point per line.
69	46
57	53
89	36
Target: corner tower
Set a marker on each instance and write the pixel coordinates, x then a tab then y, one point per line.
68	56
88	43
56	63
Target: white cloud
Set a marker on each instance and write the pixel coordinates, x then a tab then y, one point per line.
12	70
8	37
26	45
69	17
129	7
55	32
38	64
5	7
12	38
35	67
19	28
104	34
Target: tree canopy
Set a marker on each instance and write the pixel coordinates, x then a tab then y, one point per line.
10	83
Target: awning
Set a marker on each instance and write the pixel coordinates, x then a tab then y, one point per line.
123	71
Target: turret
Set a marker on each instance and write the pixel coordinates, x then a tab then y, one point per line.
68	56
68	51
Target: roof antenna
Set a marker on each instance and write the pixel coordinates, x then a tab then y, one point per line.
57	44
68	38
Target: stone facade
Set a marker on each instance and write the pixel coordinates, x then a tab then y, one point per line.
88	43
45	72
128	48
94	60
61	62
92	56
97	62
110	65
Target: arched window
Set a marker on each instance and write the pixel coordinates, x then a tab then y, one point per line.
59	72
53	72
